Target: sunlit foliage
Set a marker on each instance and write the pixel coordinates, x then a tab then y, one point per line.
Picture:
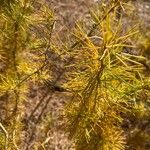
107	84
25	36
103	66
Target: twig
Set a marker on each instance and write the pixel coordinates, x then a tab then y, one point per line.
6	135
14	141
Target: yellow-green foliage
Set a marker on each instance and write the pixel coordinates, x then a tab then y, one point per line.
25	34
106	83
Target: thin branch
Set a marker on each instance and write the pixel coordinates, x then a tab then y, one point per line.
6	135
